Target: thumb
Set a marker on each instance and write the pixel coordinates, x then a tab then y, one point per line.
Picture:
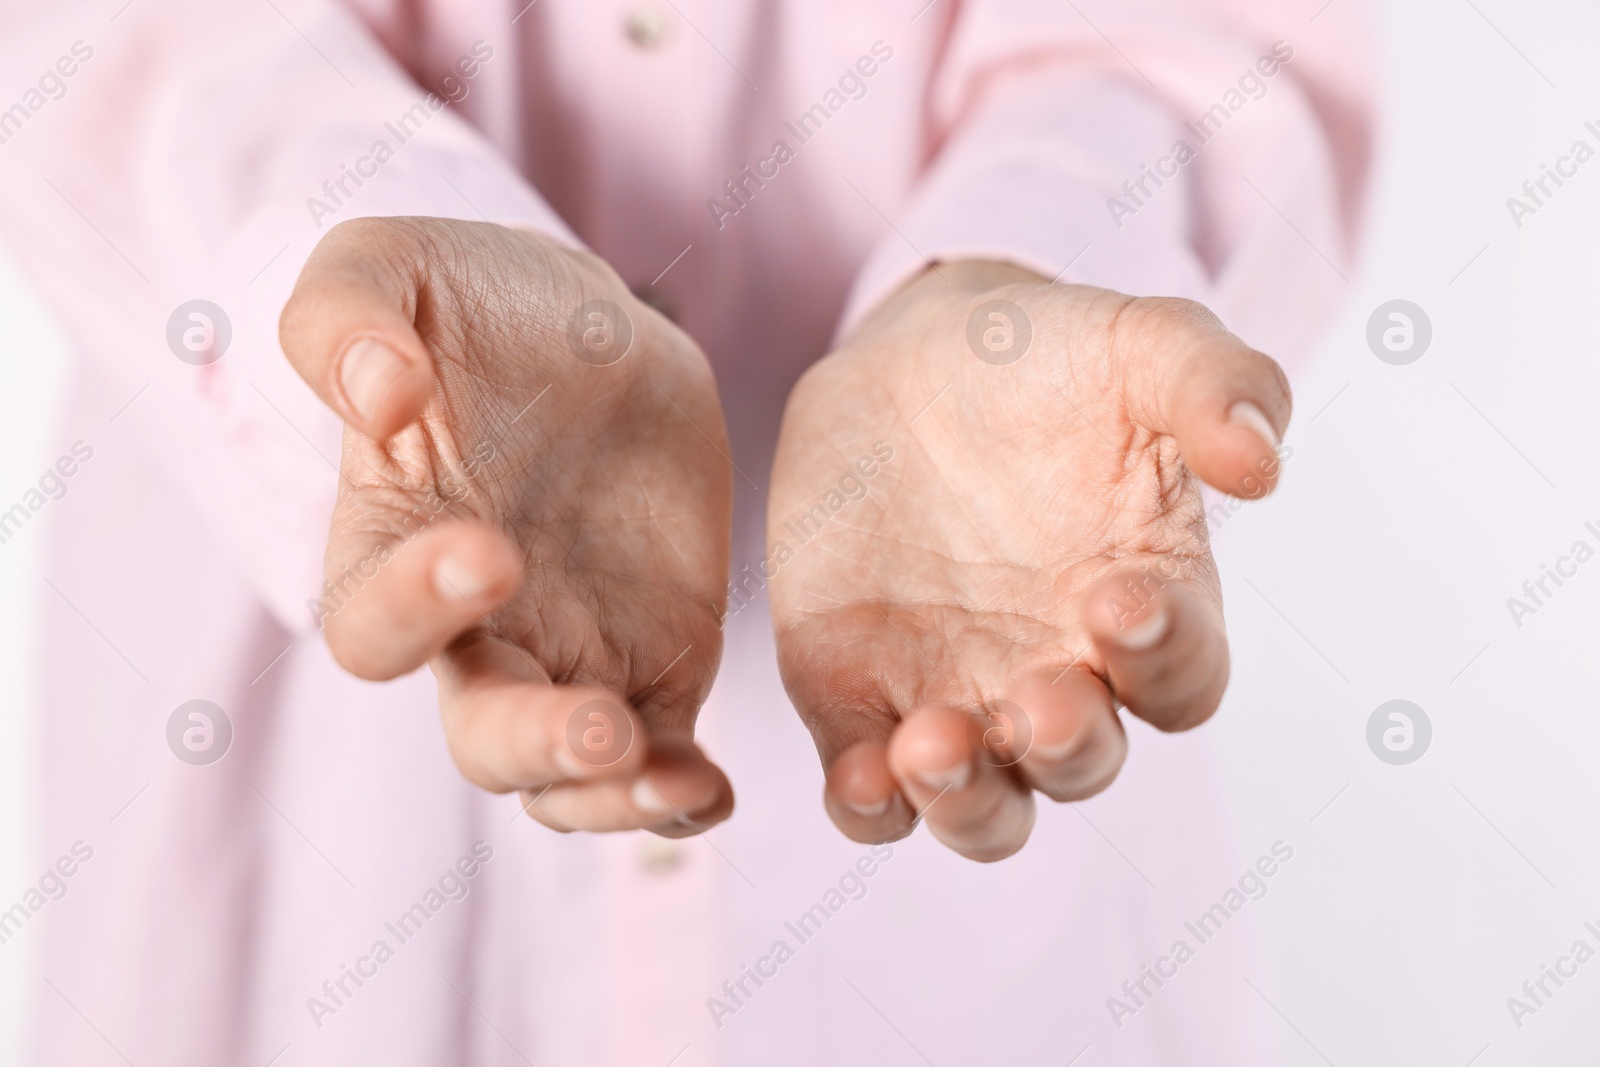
348	326
1224	403
405	579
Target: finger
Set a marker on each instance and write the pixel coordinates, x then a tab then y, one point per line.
678	793
390	605
862	797
976	808
1074	744
348	326
1164	647
1225	403
508	728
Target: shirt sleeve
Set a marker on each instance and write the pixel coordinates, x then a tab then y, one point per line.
1215	150
194	150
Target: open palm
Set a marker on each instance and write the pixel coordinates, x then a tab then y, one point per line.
1032	549
535	500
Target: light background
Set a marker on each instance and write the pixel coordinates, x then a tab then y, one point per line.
1417	500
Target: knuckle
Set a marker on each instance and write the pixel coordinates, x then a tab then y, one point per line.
1179	311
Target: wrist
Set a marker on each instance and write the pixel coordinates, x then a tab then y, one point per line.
941	282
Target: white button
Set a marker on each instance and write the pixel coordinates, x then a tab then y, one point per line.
647	26
659	855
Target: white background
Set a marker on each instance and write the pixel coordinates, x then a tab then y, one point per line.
1418	499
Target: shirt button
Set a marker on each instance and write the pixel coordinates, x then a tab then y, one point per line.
647	26
660	855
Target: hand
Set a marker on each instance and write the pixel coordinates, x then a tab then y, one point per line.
958	623
535	500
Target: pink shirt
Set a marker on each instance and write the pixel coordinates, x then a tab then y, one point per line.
764	172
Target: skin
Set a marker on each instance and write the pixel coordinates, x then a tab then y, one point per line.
578	564
1034	554
956	638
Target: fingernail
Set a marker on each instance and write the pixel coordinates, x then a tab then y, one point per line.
647	797
953	778
1246	414
367	371
456	581
1143	634
869	811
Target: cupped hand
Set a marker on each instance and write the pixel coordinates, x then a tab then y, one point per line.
986	536
535	501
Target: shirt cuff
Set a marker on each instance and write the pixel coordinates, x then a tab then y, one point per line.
1028	180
